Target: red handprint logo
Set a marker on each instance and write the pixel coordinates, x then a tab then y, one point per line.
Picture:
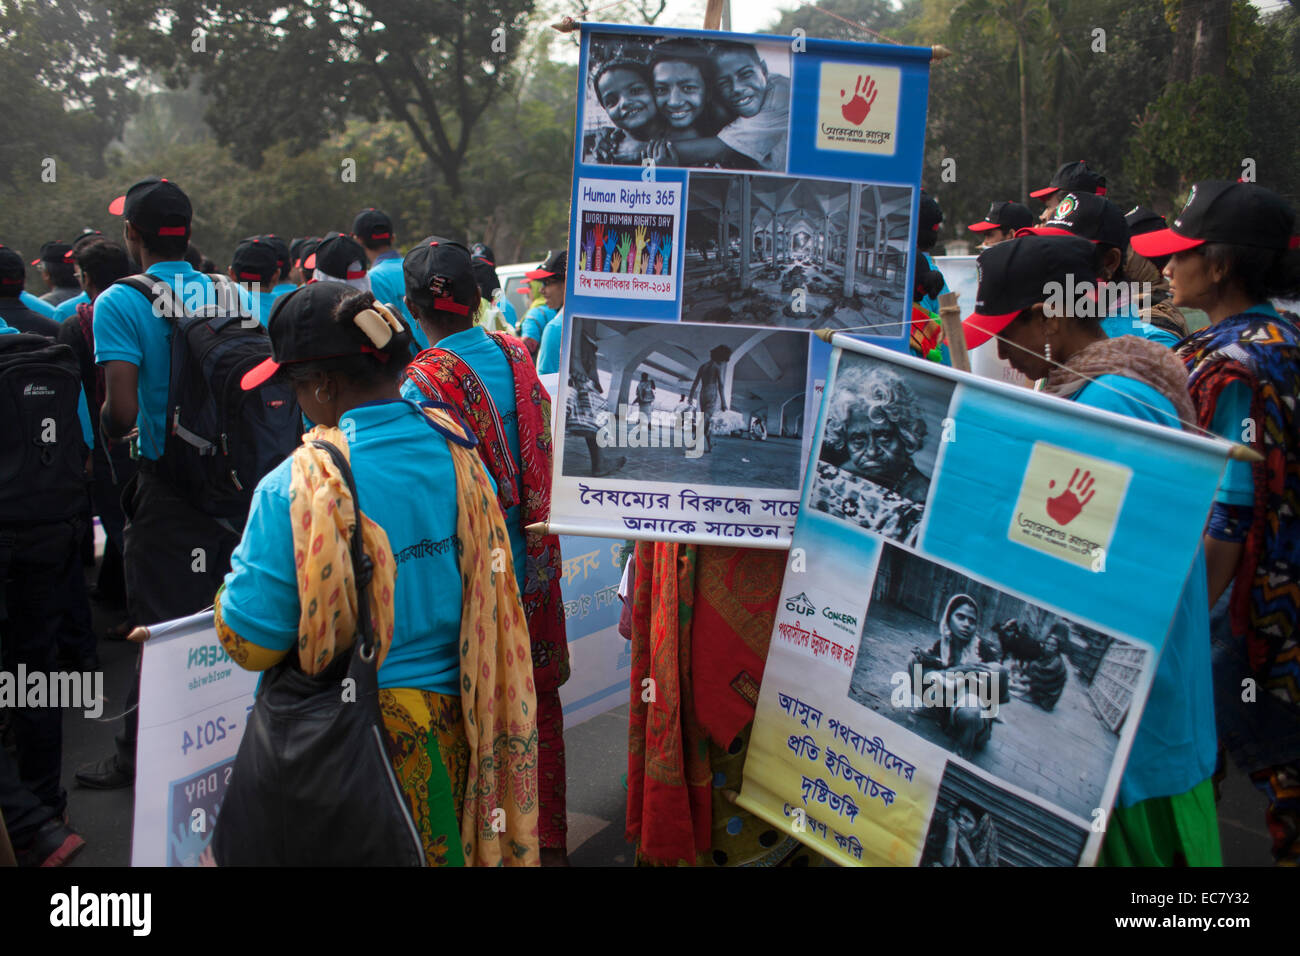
1066	506
864	94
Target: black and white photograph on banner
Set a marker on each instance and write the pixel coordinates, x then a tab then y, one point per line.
976	823
1028	696
797	253
680	101
681	402
885	425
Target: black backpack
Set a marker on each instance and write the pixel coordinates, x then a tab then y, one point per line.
42	451
221	440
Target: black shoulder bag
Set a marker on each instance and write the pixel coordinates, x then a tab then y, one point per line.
313	784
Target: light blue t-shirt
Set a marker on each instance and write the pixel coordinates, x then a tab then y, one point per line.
282	289
1176	744
263	303
535	322
36	304
388	283
548	354
476	348
126	330
394	447
83	412
68	308
1127	321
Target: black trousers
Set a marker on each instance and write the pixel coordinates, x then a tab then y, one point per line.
36	563
175	559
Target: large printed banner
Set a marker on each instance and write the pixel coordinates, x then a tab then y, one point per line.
600	658
194	702
979	588
731	193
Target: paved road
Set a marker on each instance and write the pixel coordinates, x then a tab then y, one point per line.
597	762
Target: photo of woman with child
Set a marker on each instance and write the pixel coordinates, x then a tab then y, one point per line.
684	102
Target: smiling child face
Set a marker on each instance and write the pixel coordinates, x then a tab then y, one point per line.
627	99
742	82
679	92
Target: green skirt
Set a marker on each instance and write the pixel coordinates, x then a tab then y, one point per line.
1181	830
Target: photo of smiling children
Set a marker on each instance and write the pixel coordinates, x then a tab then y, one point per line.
683	102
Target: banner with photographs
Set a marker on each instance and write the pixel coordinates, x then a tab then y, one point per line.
971	615
194	702
731	195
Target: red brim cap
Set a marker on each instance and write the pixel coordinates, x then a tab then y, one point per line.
1051	231
538	274
117	206
982	226
1044	193
36	261
309	262
1162	242
258	374
980	328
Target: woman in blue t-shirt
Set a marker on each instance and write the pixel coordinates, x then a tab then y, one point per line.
436	603
1165	811
1233	248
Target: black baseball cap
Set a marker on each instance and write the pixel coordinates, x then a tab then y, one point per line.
556	264
305	249
1241	214
445	269
1004	215
255	260
1074	177
1142	220
338	256
930	214
13	270
1095	218
372	225
54	251
281	250
483	253
303	329
155	206
1013	276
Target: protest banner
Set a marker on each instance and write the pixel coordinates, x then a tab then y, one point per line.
599	656
1039	543
772	192
194	702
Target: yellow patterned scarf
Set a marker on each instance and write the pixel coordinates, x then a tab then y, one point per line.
499	818
322	512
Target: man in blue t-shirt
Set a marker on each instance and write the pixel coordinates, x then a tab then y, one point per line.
551	274
374	230
175	555
255	266
15	310
281	285
68	308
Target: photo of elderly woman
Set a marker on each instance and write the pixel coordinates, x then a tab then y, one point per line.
883	428
680	101
1027	696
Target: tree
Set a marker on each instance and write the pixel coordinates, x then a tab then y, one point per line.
1022	18
66	92
1061	69
295	70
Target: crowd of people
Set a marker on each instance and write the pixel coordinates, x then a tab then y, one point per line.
194	410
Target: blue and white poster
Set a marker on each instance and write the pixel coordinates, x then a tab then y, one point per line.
732	193
194	702
979	588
